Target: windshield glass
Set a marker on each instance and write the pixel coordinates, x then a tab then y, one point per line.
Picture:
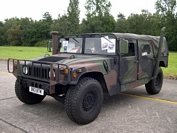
93	45
71	45
99	45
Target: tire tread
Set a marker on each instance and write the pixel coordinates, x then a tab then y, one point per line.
25	96
71	98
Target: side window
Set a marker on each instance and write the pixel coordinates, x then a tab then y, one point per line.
145	50
145	47
131	49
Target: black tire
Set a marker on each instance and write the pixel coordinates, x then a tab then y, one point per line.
155	85
83	102
25	96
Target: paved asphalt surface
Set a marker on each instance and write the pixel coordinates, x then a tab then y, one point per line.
131	112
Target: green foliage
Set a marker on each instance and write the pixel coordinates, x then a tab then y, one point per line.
68	23
108	22
167	8
42	43
13	36
121	24
172	39
1	33
36	32
98	17
97	7
7	31
24	26
61	25
27	32
47	18
144	23
73	17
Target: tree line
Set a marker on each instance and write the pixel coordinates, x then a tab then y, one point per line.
29	32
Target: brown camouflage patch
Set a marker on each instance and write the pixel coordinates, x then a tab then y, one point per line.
111	79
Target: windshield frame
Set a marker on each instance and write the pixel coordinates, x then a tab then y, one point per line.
84	37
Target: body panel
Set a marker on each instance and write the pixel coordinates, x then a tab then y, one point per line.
118	71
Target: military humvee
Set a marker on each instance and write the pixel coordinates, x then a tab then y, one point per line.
83	67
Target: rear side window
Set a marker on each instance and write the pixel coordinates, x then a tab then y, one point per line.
145	47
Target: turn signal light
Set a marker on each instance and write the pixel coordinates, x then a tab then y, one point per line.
15	63
74	74
66	71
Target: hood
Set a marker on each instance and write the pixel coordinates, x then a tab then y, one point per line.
87	62
90	63
71	58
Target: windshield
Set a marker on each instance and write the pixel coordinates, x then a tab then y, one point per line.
93	45
99	45
71	45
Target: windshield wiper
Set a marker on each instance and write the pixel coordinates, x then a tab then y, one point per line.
75	40
106	39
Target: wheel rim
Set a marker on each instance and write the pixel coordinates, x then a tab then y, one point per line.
89	101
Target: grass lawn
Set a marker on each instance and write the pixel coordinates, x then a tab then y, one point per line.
22	52
32	52
171	70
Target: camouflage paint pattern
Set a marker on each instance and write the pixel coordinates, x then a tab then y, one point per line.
119	73
154	40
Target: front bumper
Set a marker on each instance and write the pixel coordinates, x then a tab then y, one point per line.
38	84
44	75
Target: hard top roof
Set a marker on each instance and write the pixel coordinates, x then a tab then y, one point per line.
118	35
134	36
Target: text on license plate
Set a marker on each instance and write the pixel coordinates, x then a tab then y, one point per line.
36	90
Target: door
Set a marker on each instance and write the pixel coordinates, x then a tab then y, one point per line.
129	64
146	60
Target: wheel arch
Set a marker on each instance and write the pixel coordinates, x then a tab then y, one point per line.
162	64
99	77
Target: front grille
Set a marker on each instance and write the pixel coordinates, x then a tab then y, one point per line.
39	72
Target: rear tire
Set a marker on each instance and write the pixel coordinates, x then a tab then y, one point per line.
83	102
25	96
155	85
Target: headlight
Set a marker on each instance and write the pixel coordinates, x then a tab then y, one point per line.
53	74
25	70
64	71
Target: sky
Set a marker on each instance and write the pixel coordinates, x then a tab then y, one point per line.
36	8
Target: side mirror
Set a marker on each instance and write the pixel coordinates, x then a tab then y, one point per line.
49	46
123	46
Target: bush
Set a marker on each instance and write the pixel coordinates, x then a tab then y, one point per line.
42	43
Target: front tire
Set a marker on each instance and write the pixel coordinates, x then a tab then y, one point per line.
155	85
83	102
25	96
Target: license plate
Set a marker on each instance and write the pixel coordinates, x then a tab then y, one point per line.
36	90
